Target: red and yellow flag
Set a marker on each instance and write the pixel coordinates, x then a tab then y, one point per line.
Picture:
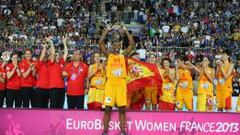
142	74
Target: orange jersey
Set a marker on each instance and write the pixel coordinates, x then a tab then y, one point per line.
205	86
116	67
224	88
185	80
99	79
224	84
168	87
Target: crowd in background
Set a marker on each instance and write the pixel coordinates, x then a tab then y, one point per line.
169	23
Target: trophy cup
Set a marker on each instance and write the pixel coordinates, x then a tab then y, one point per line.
45	43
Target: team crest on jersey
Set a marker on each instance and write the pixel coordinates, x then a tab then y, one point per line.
178	104
117	72
108	100
98	82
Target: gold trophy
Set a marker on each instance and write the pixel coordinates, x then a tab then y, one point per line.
45	43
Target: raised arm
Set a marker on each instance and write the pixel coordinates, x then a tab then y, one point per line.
88	80
193	67
26	73
101	43
2	79
176	72
91	72
52	49
10	73
65	51
131	42
210	76
43	53
172	75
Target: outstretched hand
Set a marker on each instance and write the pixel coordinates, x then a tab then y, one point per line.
124	28
49	41
64	40
109	28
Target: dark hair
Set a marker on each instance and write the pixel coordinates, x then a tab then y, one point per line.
135	53
229	53
167	59
182	57
14	53
238	57
199	58
28	50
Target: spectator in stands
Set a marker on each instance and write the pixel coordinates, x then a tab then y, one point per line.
142	52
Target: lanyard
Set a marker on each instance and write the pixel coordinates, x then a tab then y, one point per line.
80	69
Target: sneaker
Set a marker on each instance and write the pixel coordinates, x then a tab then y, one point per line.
104	134
123	134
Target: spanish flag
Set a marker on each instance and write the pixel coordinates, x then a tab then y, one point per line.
142	74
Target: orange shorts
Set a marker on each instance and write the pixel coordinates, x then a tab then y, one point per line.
186	98
115	93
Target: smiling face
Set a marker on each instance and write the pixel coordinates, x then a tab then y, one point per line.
152	58
28	54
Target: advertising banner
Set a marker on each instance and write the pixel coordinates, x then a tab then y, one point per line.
75	122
